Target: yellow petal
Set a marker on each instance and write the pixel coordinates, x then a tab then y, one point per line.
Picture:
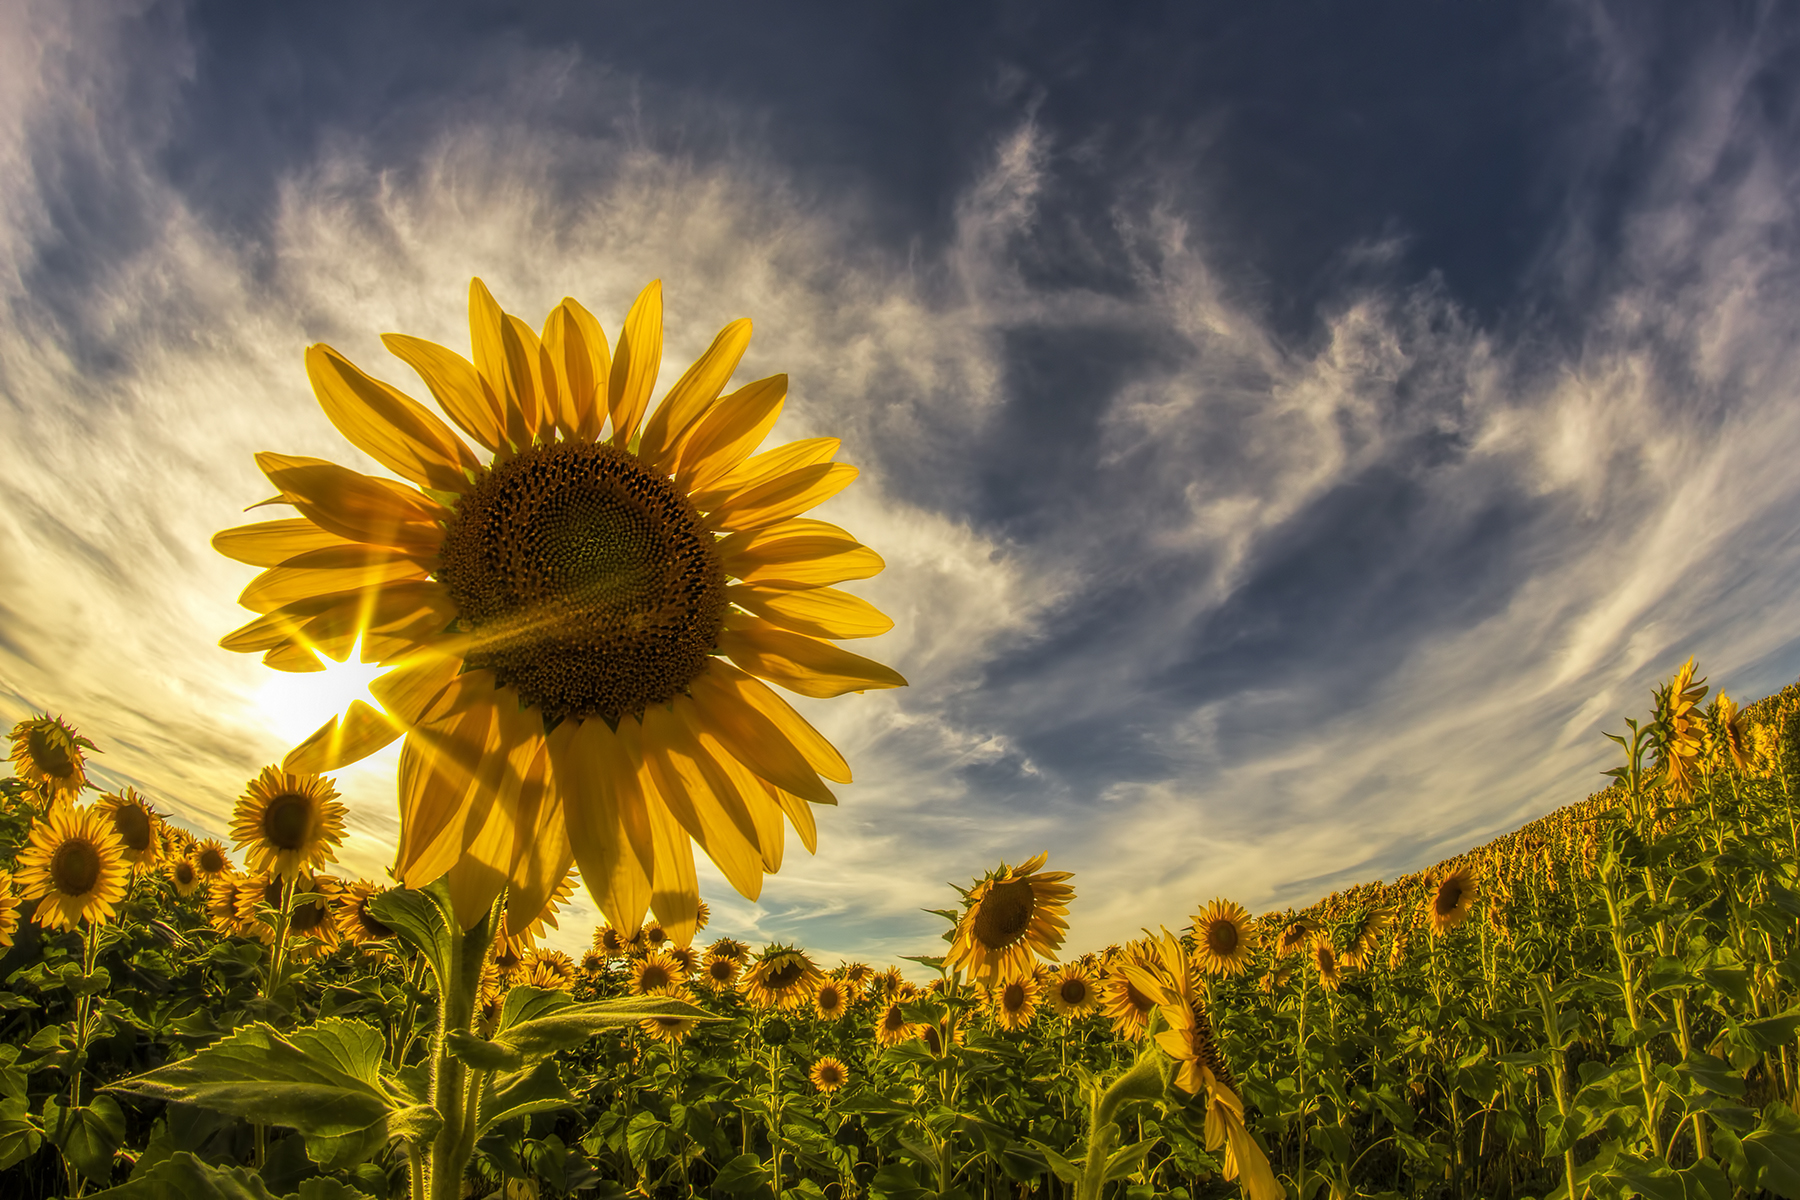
357	506
388	425
819	753
800	815
597	776
338	743
674	889
446	769
456	385
690	788
788	496
409	691
579	354
492	845
693	394
753	739
271	543
534	378
817	612
500	365
635	364
798	552
759	802
295	659
729	432
766	467
282	585
799	663
541	853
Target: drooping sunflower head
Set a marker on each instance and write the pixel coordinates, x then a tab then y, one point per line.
730	948
1680	733
719	971
1363	935
211	858
831	1000
1127	1006
1010	917
359	926
1448	904
858	975
184	876
656	975
1325	960
47	753
222	895
1072	992
828	1075
287	822
593	610
1224	938
74	862
1015	1002
1294	936
782	977
138	825
9	910
892	1027
1734	733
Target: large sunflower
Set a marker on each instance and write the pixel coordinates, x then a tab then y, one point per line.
46	753
1223	938
1009	918
138	825
580	627
287	822
75	863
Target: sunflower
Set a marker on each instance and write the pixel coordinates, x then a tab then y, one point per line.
1014	1003
1680	733
892	1027
549	969
1009	918
289	821
184	875
1071	992
593	963
578	656
354	920
222	904
1365	935
508	954
138	825
719	971
783	977
890	981
1126	1006
657	975
831	1000
258	896
859	975
46	753
828	1075
686	957
702	915
1294	936
1449	903
212	860
75	863
1734	730
1325	959
9	910
1223	938
670	1029
312	927
654	935
730	948
610	941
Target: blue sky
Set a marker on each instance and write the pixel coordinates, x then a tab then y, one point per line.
1295	431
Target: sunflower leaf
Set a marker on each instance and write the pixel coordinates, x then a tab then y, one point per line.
182	1176
88	1136
537	1088
323	1081
570	1024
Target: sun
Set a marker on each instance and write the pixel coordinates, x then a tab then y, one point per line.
293	705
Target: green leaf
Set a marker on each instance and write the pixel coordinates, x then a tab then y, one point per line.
423	918
742	1175
1770	1033
480	1054
537	1088
1774	1151
182	1176
323	1081
324	1187
1065	1170
1126	1160
88	1136
19	1134
568	1024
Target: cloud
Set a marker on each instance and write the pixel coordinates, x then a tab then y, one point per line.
1197	605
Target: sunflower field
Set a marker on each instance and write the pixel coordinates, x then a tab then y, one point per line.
582	603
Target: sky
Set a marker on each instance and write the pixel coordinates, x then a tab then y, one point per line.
1296	432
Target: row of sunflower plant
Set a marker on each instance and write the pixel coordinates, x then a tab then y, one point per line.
1602	1003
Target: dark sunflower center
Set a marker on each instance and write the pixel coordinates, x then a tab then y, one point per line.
285	819
1137	999
893	1020
184	872
1448	897
49	753
722	970
1073	991
75	867
783	977
830	1075
655	975
587	582
1013	998
212	860
1004	914
133	825
1222	938
308	917
272	891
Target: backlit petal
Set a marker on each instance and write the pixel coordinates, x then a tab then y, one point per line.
729	433
693	394
799	663
817	612
456	385
635	364
389	426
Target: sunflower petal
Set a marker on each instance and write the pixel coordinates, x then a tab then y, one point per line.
729	432
534	377
819	753
799	663
798	552
341	741
582	361
635	364
283	585
410	690
541	853
690	792
456	385
604	813
752	738
692	396
674	889
293	658
446	770
389	426
271	543
817	612
788	496
500	366
800	815
766	467
354	505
